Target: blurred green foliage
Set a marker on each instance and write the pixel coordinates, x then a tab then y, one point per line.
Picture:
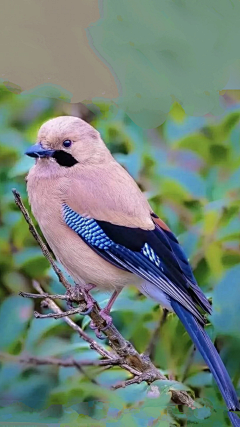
151	49
189	169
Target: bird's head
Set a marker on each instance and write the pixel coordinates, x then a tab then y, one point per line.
67	141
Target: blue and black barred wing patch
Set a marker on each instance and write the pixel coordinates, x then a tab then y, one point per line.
90	232
87	228
142	252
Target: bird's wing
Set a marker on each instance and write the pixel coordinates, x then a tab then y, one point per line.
153	254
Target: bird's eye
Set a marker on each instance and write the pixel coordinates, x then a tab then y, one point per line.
67	143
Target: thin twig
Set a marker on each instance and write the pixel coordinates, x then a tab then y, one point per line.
155	336
123	384
139	365
45	295
188	363
56	315
37	237
86	375
67	363
54	307
38	361
93	344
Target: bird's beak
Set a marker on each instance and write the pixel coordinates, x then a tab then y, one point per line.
38	151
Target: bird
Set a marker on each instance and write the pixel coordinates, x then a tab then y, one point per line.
103	231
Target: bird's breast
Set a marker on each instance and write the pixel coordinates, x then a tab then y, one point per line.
80	261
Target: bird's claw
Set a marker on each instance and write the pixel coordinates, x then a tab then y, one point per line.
98	331
75	296
88	311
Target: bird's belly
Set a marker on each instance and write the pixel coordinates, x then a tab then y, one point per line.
83	264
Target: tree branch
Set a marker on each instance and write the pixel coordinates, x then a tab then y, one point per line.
92	343
68	363
124	354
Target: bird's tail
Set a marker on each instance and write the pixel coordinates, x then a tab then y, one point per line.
212	358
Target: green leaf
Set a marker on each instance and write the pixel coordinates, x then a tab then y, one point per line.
213	256
166	385
32	262
189	180
226	297
198	143
15	313
21	167
201	379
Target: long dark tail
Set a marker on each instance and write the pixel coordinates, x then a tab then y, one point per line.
212	358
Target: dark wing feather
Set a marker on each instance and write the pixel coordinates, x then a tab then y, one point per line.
138	264
183	264
176	248
166	246
148	254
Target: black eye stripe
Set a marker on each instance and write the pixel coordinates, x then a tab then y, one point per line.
64	159
67	143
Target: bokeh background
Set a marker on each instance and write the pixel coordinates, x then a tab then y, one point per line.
189	169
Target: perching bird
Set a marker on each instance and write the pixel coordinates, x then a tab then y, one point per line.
103	231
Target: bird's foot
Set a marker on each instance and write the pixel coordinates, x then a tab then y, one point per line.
73	295
88	298
104	313
76	296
